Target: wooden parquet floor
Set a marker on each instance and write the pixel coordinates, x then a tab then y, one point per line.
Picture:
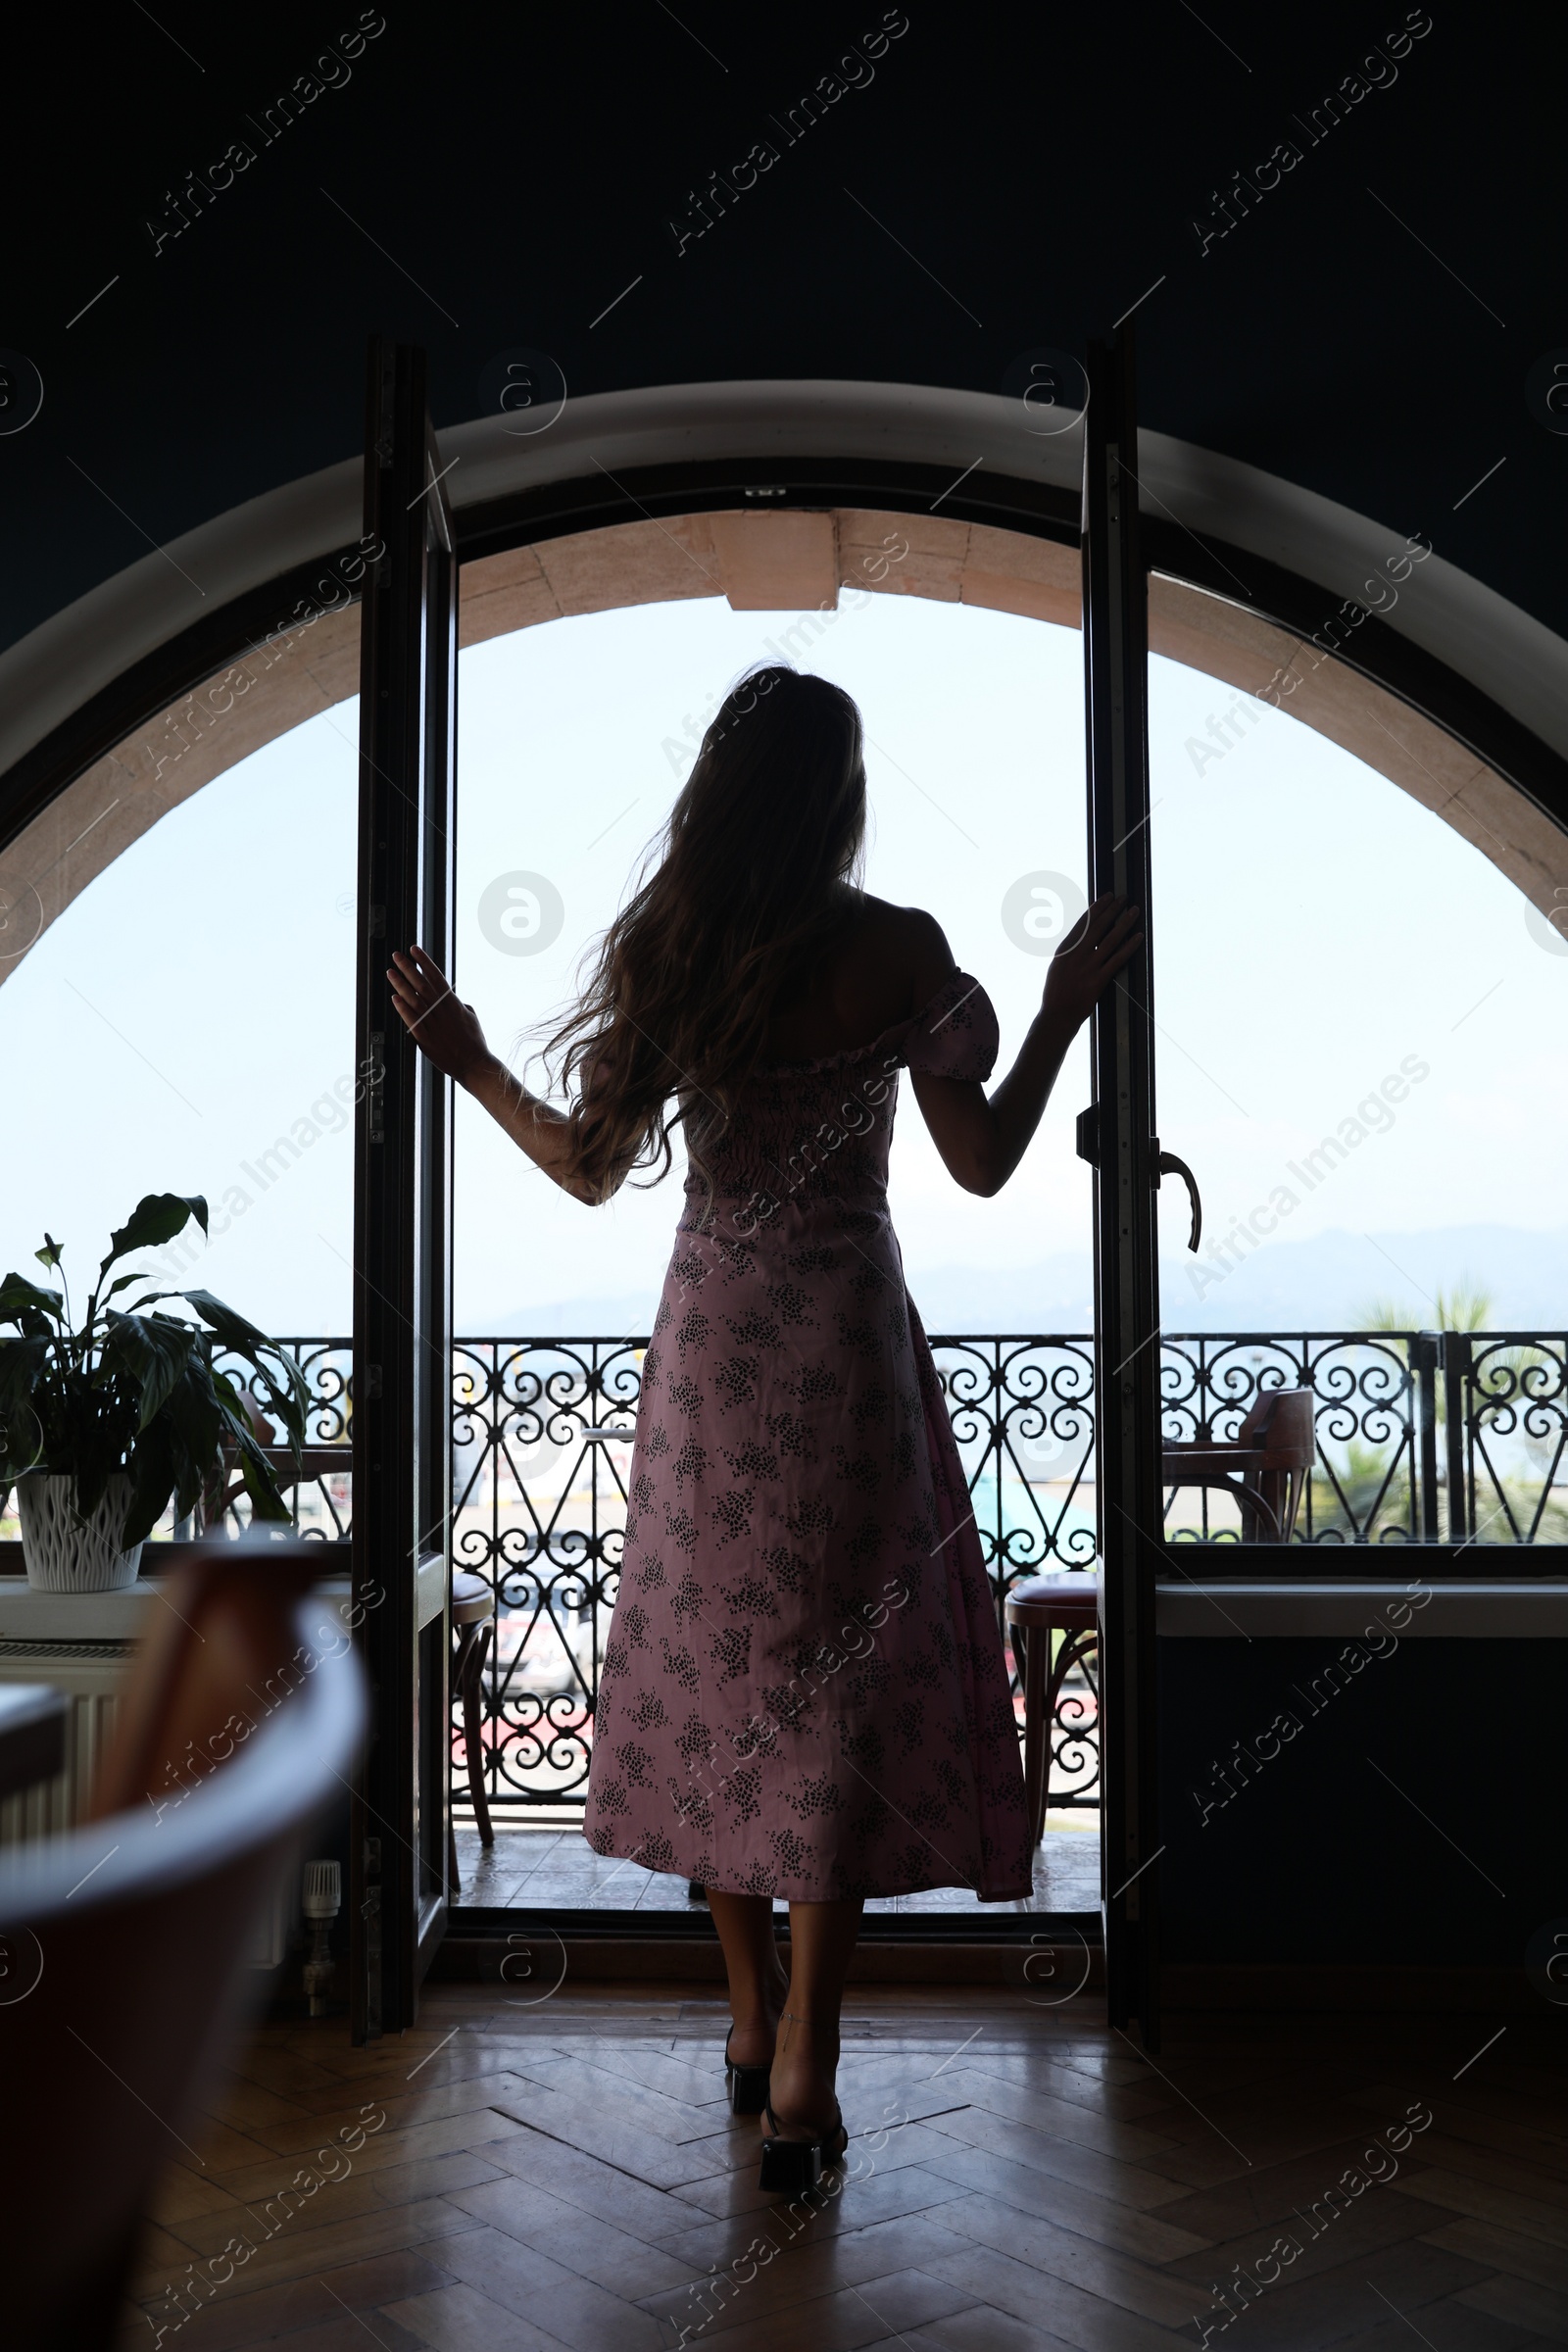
566	2174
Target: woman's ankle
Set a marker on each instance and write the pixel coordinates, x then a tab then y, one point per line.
813	2034
753	2033
802	2093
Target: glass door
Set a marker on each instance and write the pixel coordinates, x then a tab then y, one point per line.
403	1249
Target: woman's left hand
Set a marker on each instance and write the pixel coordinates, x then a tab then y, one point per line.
1093	953
445	1029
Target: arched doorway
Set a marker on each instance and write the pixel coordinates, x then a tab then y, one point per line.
527	562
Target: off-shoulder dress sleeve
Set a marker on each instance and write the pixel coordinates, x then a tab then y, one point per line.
956	1036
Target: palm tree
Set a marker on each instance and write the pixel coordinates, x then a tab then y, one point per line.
1466	1307
1463	1306
1498	1398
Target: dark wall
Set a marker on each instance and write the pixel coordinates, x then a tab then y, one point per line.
1318	1857
477	177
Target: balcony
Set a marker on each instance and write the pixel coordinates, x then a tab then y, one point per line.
1423	1438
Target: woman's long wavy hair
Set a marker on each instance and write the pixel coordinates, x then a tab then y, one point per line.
673	1018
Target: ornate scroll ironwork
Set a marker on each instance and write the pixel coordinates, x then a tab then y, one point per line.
1374	1407
542	1433
319	1502
1419	1436
1022	1412
1507	1402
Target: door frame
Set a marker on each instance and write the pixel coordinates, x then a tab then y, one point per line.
402	1419
1118	1134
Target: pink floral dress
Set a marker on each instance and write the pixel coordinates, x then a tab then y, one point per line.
804	1692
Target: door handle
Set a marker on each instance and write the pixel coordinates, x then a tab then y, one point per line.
1166	1163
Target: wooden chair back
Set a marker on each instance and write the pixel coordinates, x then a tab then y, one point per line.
1283	1420
215	1647
1283	1423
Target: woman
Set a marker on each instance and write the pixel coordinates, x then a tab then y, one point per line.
804	1692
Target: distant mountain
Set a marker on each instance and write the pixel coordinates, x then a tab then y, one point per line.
1329	1281
1325	1284
628	1315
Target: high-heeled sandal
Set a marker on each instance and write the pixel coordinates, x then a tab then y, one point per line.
790	2166
747	2086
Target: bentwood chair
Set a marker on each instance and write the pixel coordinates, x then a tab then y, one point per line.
474	1621
127	1942
1038	1610
1265	1469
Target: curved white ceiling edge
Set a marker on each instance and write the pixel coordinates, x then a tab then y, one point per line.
1501	649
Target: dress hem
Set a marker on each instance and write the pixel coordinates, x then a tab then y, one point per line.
787	1895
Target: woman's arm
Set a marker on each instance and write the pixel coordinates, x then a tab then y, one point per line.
448	1033
981	1142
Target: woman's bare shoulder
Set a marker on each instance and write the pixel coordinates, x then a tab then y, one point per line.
884	964
909	946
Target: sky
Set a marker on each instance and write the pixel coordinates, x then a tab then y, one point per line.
1329	956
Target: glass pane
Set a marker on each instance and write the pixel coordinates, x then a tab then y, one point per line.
186	1025
1355	1008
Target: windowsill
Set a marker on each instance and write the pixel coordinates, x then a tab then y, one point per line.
28	1615
1447	1608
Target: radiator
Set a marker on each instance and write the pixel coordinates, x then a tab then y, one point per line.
89	1673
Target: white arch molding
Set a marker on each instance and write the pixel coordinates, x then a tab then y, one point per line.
773	560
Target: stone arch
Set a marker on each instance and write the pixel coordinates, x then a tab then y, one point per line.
762	561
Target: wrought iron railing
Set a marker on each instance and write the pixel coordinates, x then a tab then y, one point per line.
1507	1405
1422	1436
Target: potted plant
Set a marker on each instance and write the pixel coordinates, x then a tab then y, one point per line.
100	1425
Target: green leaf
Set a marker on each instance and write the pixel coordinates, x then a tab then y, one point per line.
22	1441
156	1219
267	1499
49	1254
154	1352
194	1418
256	1469
20	1362
152	1470
283	1386
291	1402
232	1329
122	1281
175	1454
230	1400
20	1297
92	1478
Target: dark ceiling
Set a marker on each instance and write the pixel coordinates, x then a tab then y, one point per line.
1001	178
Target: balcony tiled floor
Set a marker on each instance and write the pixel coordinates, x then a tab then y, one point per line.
534	1869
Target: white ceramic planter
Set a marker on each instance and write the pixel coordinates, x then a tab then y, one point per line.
64	1553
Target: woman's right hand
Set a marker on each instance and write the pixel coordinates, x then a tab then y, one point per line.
445	1029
